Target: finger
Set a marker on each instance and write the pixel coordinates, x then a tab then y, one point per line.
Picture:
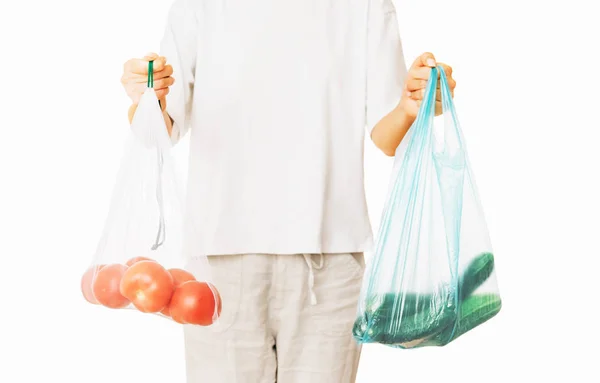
151	56
420	94
163	82
447	69
415	83
417	95
426	60
139	83
140	66
159	64
451	83
129	78
421	73
438	96
439	106
161	93
136	67
166	72
143	78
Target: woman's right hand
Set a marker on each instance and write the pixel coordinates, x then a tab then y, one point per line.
135	79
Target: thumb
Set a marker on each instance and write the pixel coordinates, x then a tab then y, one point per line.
427	59
140	66
159	61
151	56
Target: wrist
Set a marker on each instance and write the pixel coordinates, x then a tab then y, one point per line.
401	117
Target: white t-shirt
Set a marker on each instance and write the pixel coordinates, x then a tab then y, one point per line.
277	96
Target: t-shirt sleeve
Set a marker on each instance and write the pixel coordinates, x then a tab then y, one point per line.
179	46
386	68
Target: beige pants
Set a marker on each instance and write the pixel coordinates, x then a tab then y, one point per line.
285	319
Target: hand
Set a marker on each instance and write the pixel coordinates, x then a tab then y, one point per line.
416	82
135	78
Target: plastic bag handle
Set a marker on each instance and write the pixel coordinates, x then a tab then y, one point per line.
418	150
452	226
427	110
428	107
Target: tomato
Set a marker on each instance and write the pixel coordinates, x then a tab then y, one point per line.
179	276
133	260
194	302
148	286
87	281
106	286
166	311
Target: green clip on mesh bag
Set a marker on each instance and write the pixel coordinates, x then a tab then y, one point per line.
432	276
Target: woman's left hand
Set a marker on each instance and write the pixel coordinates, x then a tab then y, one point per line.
416	82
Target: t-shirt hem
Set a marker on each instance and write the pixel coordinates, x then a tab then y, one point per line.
364	247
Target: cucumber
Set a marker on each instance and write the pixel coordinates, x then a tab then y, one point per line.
474	311
478	271
406	305
387	311
428	319
422	325
422	316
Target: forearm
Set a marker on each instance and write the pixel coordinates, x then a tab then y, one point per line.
389	132
168	121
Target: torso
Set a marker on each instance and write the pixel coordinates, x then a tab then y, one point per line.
278	128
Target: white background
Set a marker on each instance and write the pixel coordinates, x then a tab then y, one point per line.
528	100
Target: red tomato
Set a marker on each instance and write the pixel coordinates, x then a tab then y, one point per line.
148	286
106	286
179	276
194	302
166	311
87	281
133	260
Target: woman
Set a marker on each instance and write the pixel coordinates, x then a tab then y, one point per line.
276	96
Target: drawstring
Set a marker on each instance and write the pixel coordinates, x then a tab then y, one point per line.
150	83
160	235
311	275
